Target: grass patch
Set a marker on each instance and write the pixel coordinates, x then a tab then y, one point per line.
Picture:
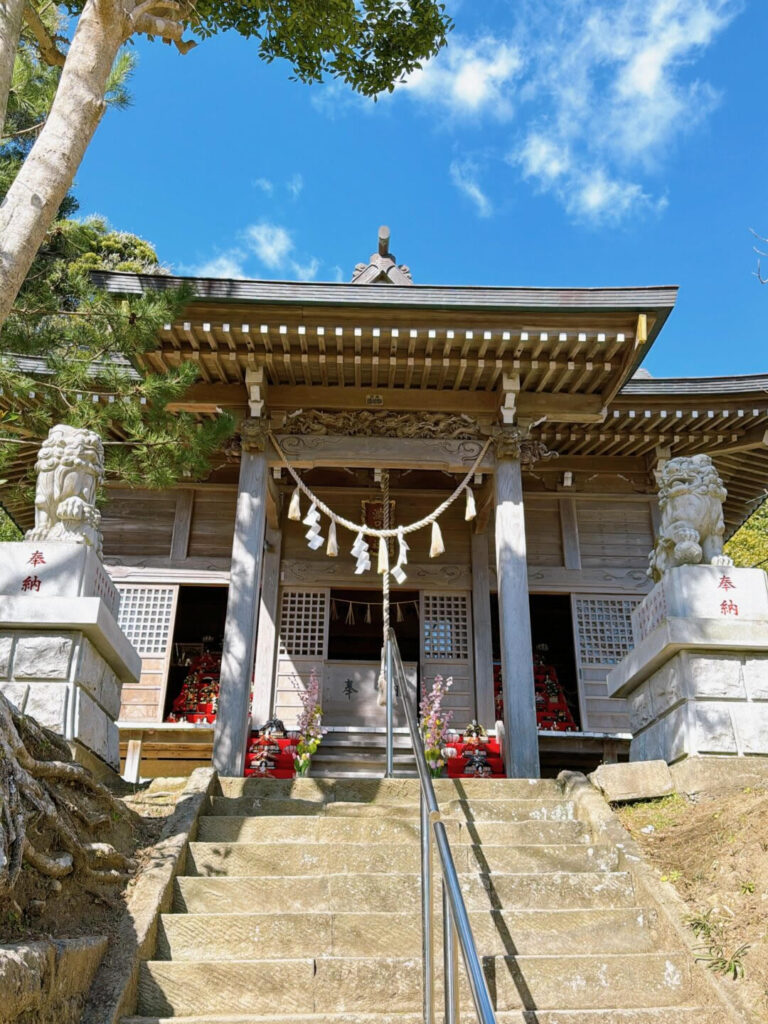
663	813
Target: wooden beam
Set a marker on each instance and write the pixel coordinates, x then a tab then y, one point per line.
481	628
132	769
569	528
311	451
281	396
266	636
233	719
484	503
643	329
592	464
274	503
560	408
182	523
209	398
749	440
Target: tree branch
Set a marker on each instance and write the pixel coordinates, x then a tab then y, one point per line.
47	47
169	31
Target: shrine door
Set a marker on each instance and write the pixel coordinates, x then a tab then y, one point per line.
147	616
446	650
603	636
302	645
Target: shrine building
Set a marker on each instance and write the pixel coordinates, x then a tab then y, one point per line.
382	395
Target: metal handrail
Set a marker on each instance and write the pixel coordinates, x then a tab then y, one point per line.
457	931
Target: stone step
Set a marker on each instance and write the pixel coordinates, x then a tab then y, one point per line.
477	810
367	772
238	829
339	984
274	859
225	858
276	935
378	790
390	893
657	1015
357	741
358	755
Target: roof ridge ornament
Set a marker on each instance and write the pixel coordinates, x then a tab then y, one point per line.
382	267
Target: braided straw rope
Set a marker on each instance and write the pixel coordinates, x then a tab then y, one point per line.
369	531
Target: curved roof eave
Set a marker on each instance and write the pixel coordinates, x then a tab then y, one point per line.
660	299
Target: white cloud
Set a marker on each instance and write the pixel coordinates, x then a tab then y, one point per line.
600	92
295	185
264	184
271	243
464	177
468	77
338	274
306	271
608	91
227	264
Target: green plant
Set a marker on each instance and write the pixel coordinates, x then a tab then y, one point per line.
661	813
728	964
747	887
672	876
702	924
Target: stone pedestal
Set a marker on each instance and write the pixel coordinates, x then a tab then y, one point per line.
697	679
63	658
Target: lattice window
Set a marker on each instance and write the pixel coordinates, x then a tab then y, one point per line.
604	626
446	627
302	624
145	616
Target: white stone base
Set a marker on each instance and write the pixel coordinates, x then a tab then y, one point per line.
68	678
46	569
697	683
711	703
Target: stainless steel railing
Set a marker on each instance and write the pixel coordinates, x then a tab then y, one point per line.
457	932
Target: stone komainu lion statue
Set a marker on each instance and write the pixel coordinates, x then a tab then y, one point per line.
70	466
691	496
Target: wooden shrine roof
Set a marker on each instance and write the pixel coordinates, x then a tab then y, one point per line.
555	342
218	291
572	352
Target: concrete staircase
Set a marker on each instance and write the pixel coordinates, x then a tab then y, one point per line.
347	752
301	903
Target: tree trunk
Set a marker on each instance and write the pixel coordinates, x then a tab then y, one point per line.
48	172
11	16
50	808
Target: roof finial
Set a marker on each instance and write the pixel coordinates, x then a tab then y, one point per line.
382	268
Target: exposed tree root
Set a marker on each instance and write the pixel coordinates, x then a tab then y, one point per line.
50	810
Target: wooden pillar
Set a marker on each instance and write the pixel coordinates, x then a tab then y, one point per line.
266	637
132	769
242	608
481	629
515	623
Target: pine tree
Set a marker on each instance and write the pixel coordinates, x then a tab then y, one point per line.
71	353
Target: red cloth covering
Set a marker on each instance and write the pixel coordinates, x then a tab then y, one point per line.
457	767
552	711
198	698
270	757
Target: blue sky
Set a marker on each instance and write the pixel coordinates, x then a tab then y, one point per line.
554	142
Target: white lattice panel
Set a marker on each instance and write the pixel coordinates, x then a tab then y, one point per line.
302	624
446	627
604	629
146	616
